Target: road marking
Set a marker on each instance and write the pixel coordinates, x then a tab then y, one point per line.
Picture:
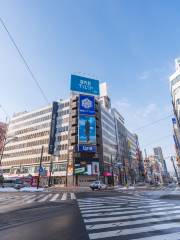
64	196
105	209
45	198
127	212
54	197
73	197
83	205
169	236
131	231
99	206
130	223
102	219
32	198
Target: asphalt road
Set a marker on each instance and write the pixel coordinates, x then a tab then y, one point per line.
92	215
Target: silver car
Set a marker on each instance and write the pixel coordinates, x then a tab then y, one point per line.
98	185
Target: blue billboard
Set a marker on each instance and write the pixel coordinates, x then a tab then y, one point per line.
87	130
86	105
84	85
87	148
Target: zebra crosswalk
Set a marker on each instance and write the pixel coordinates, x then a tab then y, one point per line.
130	218
27	198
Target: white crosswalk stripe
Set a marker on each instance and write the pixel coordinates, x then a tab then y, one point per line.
64	196
29	198
138	219
54	198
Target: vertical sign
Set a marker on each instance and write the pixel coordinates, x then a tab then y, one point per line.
53	128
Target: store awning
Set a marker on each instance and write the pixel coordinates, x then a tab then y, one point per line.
107	174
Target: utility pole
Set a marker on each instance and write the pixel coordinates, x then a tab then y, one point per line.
50	172
172	160
112	171
40	166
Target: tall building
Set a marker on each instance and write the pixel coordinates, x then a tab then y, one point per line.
175	94
77	140
158	153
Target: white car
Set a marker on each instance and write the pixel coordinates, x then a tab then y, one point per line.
98	185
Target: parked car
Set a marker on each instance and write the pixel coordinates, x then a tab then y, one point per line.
98	185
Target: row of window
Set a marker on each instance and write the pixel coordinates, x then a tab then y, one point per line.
63	105
108	136
33	136
32	115
62	129
62	147
108	128
59	167
24	153
62	138
31	129
26	161
35	169
62	120
63	112
28	144
37	120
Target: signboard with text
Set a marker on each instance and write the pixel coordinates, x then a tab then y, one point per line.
84	85
86	105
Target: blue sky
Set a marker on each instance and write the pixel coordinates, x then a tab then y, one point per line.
130	44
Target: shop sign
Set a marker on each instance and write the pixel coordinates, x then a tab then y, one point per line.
84	85
86	105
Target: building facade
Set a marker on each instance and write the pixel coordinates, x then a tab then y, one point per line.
73	141
3	130
159	155
175	95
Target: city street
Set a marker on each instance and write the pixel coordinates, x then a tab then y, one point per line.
88	215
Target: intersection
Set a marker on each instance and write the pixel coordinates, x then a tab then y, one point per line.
88	215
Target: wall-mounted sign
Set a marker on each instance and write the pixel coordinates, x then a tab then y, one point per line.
87	148
95	168
53	128
87	130
86	105
84	85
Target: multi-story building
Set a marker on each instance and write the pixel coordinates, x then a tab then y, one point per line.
73	141
3	130
32	131
159	155
175	94
153	169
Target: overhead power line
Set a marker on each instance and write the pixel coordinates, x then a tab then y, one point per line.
24	61
157	140
153	123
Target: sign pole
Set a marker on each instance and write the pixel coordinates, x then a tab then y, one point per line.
40	166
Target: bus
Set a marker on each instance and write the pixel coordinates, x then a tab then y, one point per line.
13	182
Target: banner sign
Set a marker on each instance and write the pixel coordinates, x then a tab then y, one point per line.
84	85
95	168
87	130
86	148
53	128
86	105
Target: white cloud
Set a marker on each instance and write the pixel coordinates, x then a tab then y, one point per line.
144	75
